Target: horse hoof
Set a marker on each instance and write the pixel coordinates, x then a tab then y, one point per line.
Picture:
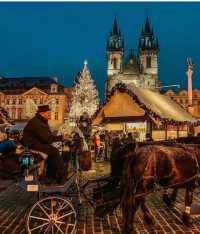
187	220
167	200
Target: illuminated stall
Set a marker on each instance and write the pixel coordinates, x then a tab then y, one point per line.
142	111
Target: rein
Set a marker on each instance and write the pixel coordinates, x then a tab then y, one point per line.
156	187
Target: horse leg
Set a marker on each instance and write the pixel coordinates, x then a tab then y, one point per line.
173	196
187	219
169	201
147	215
128	217
166	198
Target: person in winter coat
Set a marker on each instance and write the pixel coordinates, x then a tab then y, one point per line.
97	144
37	136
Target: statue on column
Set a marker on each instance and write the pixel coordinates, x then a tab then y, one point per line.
190	95
189	75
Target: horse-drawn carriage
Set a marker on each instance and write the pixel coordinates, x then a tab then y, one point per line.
57	207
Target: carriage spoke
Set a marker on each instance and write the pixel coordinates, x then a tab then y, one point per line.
51	206
35	217
63	206
52	215
42	225
43	210
48	228
72	212
58	227
60	222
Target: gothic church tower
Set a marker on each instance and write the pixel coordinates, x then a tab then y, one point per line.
115	53
148	49
140	70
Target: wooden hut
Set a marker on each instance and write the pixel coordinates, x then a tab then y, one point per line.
142	111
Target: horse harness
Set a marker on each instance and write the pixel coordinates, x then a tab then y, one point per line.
156	187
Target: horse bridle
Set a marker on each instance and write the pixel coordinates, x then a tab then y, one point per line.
156	187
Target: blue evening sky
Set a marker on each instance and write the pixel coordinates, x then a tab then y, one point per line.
54	39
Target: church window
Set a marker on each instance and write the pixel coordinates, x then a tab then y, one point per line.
148	62
13	102
115	63
57	101
20	101
8	101
146	41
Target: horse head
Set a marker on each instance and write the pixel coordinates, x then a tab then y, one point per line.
119	155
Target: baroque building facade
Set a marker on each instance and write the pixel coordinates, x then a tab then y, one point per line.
141	68
181	98
21	96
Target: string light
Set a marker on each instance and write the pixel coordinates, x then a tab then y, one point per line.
124	89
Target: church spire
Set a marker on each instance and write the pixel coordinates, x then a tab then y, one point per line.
147	28
115	27
115	40
147	40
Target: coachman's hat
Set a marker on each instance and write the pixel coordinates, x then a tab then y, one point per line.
43	108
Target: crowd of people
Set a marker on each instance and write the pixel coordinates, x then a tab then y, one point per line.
103	143
37	136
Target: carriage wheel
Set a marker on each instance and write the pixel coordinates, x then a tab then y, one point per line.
54	215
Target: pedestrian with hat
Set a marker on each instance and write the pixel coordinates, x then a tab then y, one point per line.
38	136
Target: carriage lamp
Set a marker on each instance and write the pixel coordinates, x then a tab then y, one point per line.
27	160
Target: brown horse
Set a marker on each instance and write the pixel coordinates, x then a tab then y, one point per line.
173	166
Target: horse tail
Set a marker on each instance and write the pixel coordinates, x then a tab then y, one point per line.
127	191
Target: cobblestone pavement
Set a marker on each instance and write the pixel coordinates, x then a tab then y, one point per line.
14	204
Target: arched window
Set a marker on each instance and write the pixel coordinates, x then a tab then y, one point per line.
148	62
115	63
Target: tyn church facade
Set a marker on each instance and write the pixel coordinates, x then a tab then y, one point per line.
140	69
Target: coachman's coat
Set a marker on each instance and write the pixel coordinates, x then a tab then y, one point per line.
37	134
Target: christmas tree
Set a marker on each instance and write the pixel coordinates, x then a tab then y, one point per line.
84	96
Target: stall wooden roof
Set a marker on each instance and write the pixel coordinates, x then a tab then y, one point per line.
131	101
162	105
121	105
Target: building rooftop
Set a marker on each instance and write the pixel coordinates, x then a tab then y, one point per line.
19	85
